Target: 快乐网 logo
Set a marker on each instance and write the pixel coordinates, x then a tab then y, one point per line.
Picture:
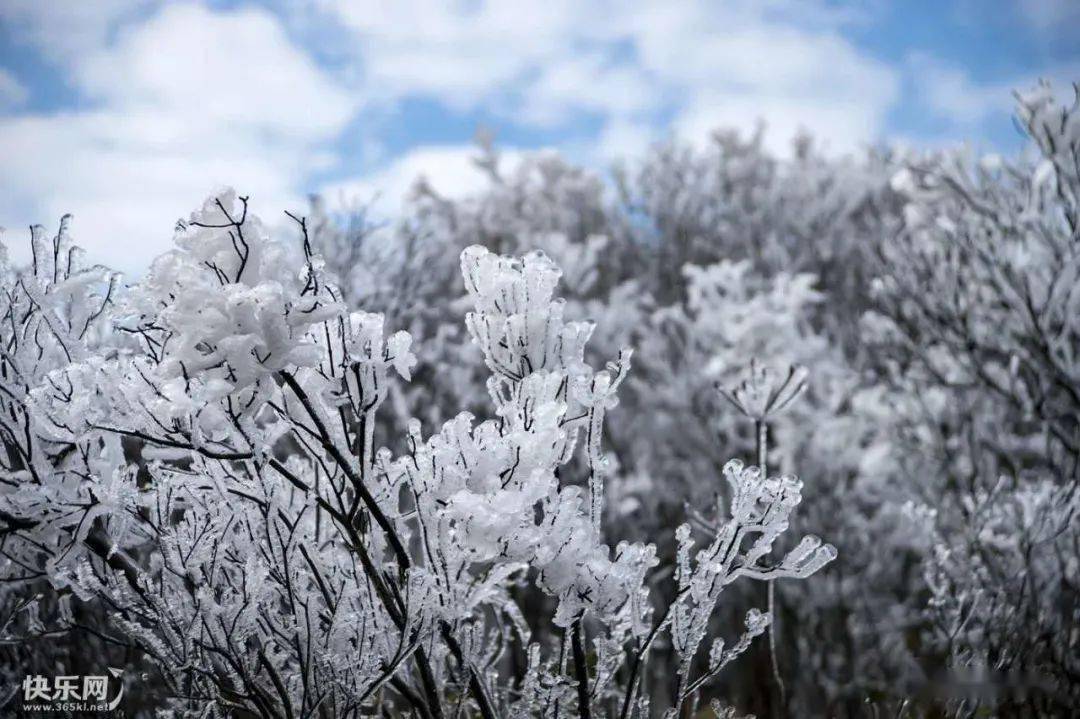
74	693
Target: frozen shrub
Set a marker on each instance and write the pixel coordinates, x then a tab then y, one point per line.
269	558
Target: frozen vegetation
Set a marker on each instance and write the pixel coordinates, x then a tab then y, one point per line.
533	453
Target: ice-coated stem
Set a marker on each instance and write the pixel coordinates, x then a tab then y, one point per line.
762	428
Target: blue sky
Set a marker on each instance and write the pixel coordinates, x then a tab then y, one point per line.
128	112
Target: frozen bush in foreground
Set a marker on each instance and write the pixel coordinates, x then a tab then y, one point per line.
270	559
54	313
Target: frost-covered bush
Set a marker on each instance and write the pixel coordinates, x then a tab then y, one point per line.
1004	596
701	259
269	558
977	312
209	463
54	312
982	287
704	258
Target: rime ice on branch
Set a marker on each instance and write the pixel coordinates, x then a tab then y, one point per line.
271	558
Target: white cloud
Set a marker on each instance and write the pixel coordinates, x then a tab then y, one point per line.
952	95
458	53
187	101
217	70
742	66
591	83
700	62
450	170
64	31
703	62
621	140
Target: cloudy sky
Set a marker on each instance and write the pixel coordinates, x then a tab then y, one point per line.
128	112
